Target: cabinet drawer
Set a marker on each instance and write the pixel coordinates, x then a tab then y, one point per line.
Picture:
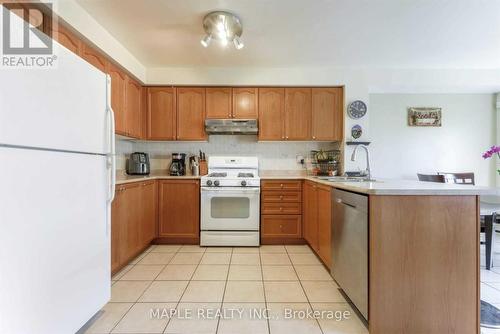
281	185
281	196
281	226
281	208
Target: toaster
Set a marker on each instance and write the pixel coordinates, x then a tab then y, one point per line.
138	164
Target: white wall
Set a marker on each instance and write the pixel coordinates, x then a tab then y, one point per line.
468	129
272	155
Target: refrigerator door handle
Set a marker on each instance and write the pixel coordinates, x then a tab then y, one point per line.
111	156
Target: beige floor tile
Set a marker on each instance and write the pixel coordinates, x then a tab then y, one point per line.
177	272
244	291
199	318
165	248
298	249
138	258
122	272
186	258
312	273
279	273
192	249
275	259
142	273
280	323
164	291
128	291
322	291
245	273
245	250
347	322
284	292
109	316
216	258
211	272
219	250
246	259
139	320
204	291
242	319
272	249
305	259
156	258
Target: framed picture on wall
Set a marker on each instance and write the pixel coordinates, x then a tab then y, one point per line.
424	116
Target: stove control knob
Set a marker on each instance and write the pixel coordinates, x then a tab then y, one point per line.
216	183
209	183
243	183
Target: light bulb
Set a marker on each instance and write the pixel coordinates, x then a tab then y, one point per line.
238	44
206	40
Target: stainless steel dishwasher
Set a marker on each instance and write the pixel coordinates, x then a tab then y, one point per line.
349	264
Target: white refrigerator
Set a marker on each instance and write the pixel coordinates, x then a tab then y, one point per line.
56	187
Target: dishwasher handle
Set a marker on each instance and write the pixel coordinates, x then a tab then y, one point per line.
340	201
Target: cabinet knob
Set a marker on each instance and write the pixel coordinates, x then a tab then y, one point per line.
286	137
281	209
281	185
314	137
281	197
281	227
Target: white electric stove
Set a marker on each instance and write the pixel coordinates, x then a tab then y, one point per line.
230	202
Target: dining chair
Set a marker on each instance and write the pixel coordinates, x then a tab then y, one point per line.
431	178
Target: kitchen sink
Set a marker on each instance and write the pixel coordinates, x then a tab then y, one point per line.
345	178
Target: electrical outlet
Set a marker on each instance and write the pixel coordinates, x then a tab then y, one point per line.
299	159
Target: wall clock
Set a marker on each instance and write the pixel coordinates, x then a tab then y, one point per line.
356	109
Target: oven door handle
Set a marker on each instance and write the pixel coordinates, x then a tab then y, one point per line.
236	190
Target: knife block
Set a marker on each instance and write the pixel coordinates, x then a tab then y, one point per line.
203	167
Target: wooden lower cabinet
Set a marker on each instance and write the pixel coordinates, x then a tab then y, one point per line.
317	204
133	221
179	211
281	212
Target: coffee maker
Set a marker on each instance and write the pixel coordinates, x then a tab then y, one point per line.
178	164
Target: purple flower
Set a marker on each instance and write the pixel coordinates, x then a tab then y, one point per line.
493	150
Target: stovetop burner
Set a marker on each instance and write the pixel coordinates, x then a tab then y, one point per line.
217	175
245	174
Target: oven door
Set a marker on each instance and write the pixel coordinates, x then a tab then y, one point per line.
231	208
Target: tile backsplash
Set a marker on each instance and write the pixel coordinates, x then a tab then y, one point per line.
272	155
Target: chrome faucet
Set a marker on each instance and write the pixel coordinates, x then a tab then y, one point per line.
353	158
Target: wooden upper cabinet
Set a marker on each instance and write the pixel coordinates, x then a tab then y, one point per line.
161	113
327	112
271	113
93	57
191	113
66	38
297	113
118	80
218	102
245	102
133	108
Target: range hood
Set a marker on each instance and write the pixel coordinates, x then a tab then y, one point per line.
231	126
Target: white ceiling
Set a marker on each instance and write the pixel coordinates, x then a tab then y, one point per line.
310	33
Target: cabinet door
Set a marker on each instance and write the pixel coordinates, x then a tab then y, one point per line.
310	206
324	200
94	57
218	102
133	119
327	111
118	79
245	102
271	109
130	243
149	213
191	113
297	113
161	113
179	210
66	38
118	218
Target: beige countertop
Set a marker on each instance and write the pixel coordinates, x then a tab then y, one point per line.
379	187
